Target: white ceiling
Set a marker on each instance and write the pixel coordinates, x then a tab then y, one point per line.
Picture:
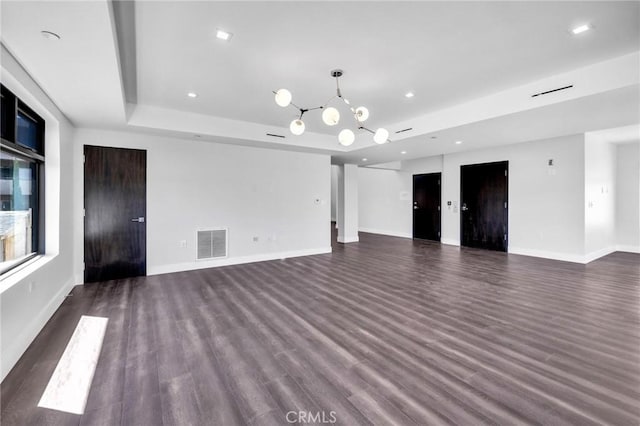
80	72
447	53
623	134
611	109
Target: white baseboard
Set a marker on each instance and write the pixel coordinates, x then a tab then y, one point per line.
450	242
190	266
385	232
628	249
566	257
345	240
590	257
12	351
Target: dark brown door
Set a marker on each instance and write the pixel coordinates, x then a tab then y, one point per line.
115	229
426	206
484	206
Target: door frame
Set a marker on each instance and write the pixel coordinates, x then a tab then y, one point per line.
413	200
506	210
84	197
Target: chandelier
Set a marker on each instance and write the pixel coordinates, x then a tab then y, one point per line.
331	115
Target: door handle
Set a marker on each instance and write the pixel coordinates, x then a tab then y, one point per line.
415	207
138	219
464	207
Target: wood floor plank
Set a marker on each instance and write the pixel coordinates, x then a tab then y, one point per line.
384	331
146	409
107	415
180	402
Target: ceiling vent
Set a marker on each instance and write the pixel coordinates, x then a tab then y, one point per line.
275	136
551	91
404	130
212	244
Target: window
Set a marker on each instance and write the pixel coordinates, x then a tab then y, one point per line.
21	180
7	110
29	126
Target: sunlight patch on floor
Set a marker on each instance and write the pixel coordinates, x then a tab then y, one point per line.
69	385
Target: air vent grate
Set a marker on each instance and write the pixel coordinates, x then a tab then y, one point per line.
275	136
212	244
551	91
404	130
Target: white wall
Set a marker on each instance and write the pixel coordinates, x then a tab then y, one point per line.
423	165
385	198
32	294
628	197
546	216
347	204
600	196
334	193
280	197
546	211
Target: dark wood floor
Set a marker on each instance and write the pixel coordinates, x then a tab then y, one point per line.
384	331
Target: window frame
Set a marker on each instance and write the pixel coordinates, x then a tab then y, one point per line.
9	144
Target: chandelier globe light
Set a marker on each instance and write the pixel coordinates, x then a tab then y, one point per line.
297	127
346	137
362	113
283	98
331	115
381	136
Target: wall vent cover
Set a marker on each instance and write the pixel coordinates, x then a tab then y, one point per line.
212	244
552	91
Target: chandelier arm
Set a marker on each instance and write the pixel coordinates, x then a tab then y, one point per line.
371	131
295	106
330	99
303	110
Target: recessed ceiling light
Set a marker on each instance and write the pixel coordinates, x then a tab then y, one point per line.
50	35
192	95
581	29
403	152
458	142
364	159
409	95
223	35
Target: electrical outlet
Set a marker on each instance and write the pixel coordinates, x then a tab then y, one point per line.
256	239
182	243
